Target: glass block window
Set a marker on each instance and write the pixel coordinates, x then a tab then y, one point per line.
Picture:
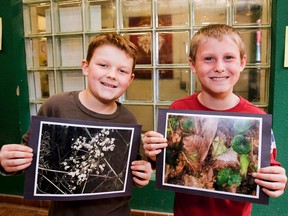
57	34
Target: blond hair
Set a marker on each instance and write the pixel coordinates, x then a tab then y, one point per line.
217	31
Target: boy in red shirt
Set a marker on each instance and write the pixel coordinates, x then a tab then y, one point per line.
217	57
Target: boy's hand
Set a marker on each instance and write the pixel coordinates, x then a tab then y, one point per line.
153	142
15	157
141	171
273	179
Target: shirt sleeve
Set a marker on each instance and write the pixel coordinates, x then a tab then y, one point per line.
273	154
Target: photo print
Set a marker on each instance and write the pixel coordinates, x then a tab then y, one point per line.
78	160
213	153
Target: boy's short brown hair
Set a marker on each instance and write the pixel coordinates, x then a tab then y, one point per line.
113	39
217	31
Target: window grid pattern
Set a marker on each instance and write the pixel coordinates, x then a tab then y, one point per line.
57	34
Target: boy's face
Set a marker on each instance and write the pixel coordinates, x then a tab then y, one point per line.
109	73
218	65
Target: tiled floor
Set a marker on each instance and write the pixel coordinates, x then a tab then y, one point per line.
17	206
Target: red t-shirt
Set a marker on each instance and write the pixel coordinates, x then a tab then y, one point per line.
185	204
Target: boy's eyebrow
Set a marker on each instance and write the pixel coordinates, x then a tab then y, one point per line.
105	60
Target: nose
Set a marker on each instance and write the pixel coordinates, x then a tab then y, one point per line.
219	67
112	74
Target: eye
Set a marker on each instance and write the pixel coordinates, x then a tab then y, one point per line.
124	71
103	65
208	59
229	58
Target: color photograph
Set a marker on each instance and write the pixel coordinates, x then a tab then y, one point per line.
214	154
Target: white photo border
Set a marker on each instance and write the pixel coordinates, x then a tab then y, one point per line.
265	127
130	134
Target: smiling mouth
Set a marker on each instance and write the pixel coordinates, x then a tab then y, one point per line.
219	78
109	85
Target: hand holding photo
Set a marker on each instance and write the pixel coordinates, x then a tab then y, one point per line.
214	154
76	160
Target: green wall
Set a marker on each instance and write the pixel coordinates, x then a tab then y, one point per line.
14	110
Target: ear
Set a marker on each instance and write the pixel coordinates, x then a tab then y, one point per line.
243	62
132	78
85	69
192	66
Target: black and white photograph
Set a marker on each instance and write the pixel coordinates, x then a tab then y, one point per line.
76	160
214	154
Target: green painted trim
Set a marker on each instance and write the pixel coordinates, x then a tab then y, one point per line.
14	112
20	68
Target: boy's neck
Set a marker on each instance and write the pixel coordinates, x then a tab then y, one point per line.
93	104
218	102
